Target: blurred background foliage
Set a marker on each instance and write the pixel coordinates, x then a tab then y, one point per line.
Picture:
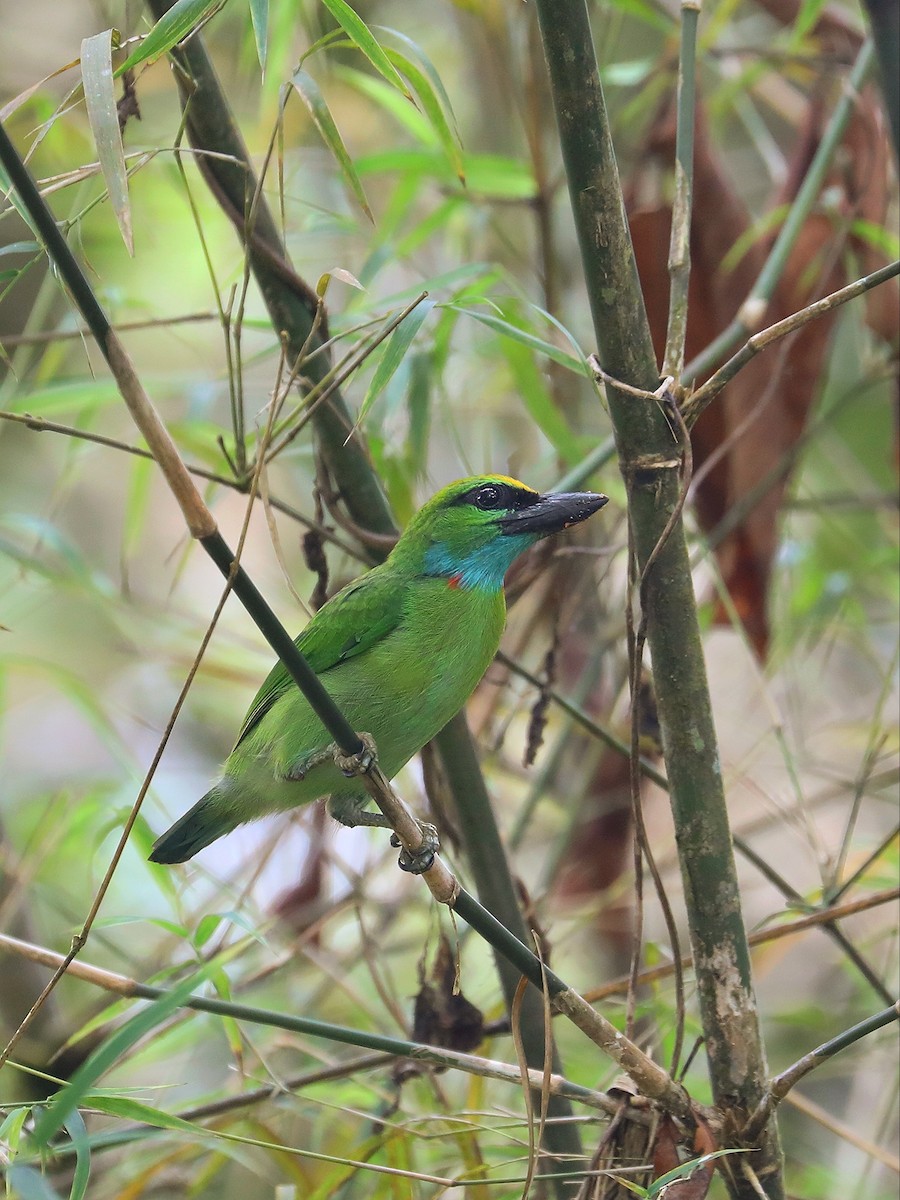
103	602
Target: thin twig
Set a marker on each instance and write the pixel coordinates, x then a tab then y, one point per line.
680	240
836	934
704	396
752	311
65	335
782	1084
620	986
41	425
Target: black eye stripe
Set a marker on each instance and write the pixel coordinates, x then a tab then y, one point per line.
489	497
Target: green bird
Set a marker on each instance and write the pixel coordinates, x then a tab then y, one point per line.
400	650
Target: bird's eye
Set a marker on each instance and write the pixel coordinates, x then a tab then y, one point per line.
488	497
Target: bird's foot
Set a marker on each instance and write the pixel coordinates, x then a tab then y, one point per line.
418	863
299	771
352	765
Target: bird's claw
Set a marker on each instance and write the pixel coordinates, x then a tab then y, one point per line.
418	863
352	765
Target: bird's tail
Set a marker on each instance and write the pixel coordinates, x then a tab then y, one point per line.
210	818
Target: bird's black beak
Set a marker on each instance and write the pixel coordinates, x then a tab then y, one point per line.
552	512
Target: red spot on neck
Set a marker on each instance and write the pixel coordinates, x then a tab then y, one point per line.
454	582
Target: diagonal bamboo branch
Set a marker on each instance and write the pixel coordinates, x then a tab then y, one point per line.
650	1078
230	175
782	1084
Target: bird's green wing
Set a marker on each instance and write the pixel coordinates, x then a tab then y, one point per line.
349	624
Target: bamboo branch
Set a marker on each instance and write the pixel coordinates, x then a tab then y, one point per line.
760	937
129	988
682	205
752	311
704	396
782	1084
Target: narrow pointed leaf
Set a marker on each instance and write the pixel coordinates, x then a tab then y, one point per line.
362	37
103	118
532	387
308	90
29	1184
431	107
527	339
410	117
182	18
136	1110
106	1055
259	17
76	1130
431	93
395	350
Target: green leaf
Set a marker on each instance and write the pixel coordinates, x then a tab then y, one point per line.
363	38
182	18
432	108
877	236
100	101
308	90
685	1171
76	1130
394	353
29	1184
135	1110
431	94
646	12
259	17
497	177
806	19
535	394
11	1129
410	117
20	248
107	1055
527	339
143	473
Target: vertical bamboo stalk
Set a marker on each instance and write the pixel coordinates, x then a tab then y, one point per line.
650	463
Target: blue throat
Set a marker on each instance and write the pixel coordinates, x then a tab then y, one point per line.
483	568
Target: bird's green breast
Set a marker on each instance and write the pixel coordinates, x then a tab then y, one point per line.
402	690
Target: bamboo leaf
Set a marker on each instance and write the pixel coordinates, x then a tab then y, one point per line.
363	38
684	1171
431	94
527	339
76	1130
531	386
432	109
100	101
29	1184
308	90
411	118
135	1110
259	17
182	18
107	1055
395	350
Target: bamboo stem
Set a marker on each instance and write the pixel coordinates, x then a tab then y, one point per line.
651	468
